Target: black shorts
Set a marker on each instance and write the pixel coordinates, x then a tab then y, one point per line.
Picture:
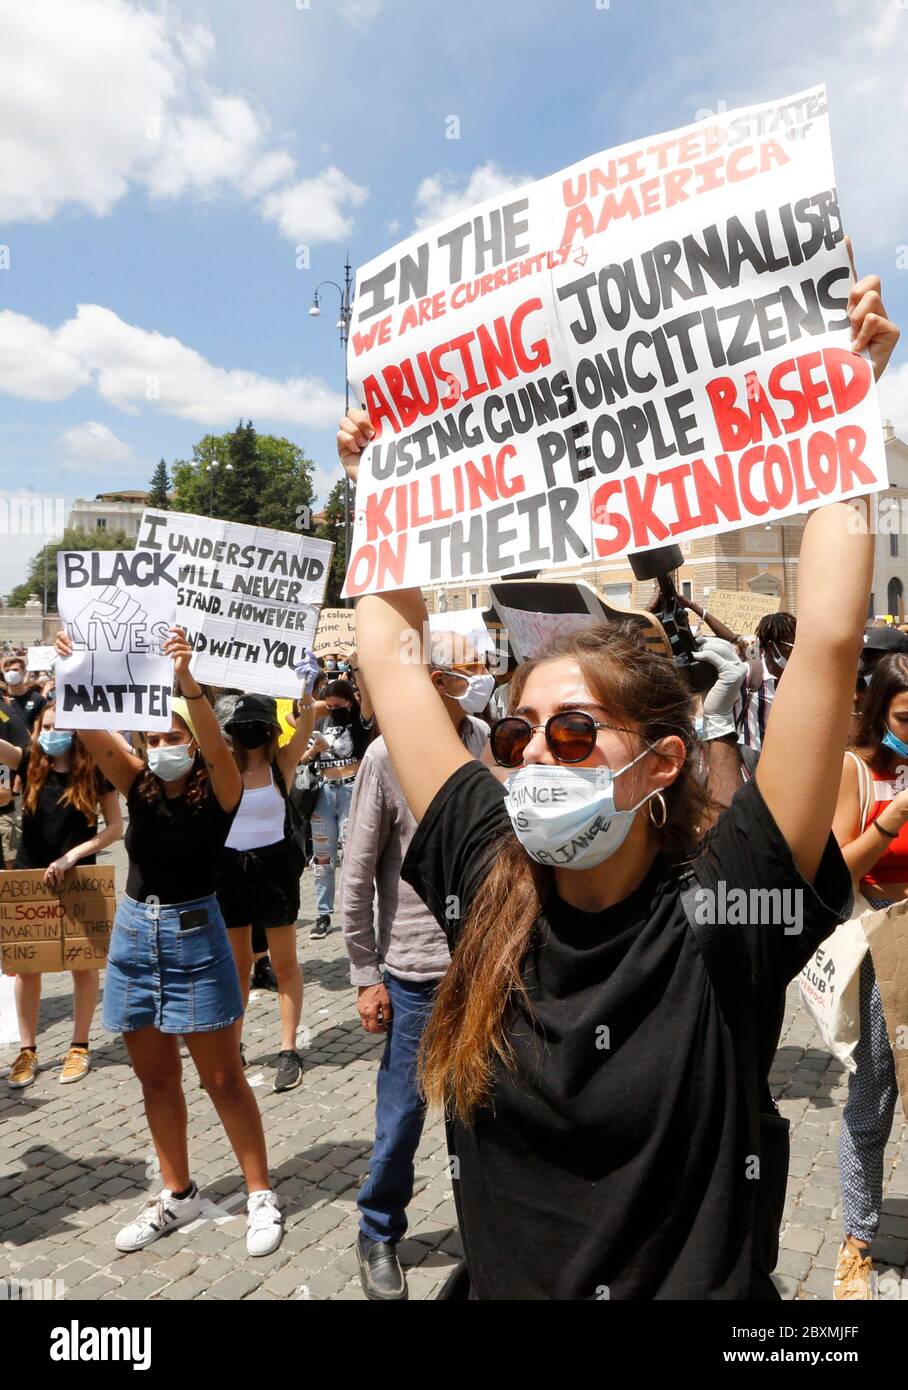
260	887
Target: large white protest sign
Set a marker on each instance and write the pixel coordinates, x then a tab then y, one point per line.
118	607
248	597
650	346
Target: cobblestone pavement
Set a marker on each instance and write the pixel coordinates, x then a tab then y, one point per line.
76	1162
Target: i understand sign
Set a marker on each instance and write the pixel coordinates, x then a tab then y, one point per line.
118	607
248	597
650	346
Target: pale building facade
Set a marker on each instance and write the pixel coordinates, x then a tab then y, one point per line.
762	558
109	511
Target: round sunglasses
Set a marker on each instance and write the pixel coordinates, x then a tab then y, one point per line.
570	737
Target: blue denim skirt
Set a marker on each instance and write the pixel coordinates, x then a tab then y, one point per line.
176	981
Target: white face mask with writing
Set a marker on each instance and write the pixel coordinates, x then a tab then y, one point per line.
565	816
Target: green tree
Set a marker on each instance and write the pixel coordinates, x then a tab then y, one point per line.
70	540
332	529
159	488
268	482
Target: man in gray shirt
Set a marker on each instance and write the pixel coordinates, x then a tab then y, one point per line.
408	943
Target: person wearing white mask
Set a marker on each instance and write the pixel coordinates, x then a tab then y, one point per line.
775	637
609	1116
170	969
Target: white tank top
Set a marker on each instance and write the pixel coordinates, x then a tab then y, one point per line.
259	820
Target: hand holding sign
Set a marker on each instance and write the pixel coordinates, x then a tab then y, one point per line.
352	437
870	326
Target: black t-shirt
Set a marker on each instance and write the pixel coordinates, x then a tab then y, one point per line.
618	1167
348	740
14	731
55	825
174	849
29	703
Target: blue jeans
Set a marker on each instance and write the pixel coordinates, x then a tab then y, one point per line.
329	829
399	1113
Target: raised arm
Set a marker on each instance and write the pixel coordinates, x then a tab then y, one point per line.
421	739
291	755
800	768
222	769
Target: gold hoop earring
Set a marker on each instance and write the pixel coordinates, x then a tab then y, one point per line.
661	801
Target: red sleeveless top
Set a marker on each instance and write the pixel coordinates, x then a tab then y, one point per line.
892	866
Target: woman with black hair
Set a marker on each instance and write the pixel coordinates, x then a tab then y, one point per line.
170	970
259	884
62	793
342	735
871	825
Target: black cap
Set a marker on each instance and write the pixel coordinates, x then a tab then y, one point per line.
254	709
886	639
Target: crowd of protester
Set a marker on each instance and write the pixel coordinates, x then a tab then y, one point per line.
520	856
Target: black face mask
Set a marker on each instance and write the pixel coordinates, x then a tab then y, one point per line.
340	718
251	735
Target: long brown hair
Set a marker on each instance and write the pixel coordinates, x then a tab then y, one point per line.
468	1028
82	791
889	679
241	753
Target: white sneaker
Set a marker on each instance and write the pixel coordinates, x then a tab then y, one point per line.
265	1224
159	1216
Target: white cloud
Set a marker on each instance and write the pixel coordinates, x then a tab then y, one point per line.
133	369
92	443
440	195
315	209
104	94
33	363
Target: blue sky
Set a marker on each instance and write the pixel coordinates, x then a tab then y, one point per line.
162	164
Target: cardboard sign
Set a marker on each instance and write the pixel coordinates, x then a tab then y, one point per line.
42	930
529	633
887	932
336	632
118	606
41	658
249	598
740	610
648	347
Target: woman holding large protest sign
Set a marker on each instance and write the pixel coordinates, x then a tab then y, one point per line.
259	884
170	970
601	1042
62	793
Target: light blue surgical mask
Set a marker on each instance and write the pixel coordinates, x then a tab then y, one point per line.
895	744
170	764
55	742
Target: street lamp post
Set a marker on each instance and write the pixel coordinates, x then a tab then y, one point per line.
215	463
343	324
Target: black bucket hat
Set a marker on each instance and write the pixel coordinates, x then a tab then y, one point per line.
254	709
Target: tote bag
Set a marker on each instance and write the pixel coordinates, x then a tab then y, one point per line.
830	982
